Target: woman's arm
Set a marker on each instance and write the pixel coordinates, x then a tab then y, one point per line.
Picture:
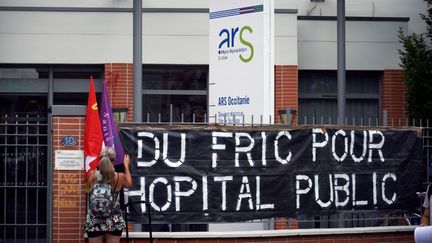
425	220
90	180
126	177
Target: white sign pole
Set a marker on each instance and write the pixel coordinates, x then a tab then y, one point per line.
241	86
269	58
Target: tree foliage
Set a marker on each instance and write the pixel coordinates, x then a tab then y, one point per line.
428	18
416	62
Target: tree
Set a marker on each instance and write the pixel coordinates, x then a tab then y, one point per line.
416	62
428	18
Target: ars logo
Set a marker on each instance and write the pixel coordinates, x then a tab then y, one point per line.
230	40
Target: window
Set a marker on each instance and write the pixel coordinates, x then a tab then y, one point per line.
23	72
318	105
318	97
176	93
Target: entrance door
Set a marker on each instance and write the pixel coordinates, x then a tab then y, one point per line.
23	168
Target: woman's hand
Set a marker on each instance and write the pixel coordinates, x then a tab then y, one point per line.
126	160
127	179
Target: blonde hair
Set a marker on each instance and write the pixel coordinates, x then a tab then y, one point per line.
108	152
106	168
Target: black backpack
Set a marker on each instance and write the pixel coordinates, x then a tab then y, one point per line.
102	200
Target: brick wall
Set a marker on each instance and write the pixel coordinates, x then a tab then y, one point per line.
119	77
393	97
69	196
286	89
286	96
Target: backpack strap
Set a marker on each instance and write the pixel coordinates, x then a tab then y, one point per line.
116	182
115	186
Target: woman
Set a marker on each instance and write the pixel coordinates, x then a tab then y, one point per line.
109	228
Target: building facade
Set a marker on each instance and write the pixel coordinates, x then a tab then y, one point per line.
48	50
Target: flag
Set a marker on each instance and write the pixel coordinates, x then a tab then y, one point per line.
109	127
93	132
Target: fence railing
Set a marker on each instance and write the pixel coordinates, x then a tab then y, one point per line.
338	219
172	117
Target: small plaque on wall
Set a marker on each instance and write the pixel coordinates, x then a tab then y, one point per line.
69	159
69	141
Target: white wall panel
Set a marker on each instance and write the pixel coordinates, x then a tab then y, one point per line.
176	50
70	37
316	30
372	56
317	55
100	49
48	48
102	23
108	3
286	51
369	45
173	24
88	23
286	25
127	3
369	31
68	3
359	55
369	8
285	39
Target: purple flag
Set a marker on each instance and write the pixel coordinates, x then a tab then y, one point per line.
109	127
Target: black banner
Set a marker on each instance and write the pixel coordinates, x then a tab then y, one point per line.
214	173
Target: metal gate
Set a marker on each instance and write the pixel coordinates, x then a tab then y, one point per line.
23	178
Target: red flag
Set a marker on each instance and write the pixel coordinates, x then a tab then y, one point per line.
93	132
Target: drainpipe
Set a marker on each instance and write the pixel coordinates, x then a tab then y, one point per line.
341	78
137	60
